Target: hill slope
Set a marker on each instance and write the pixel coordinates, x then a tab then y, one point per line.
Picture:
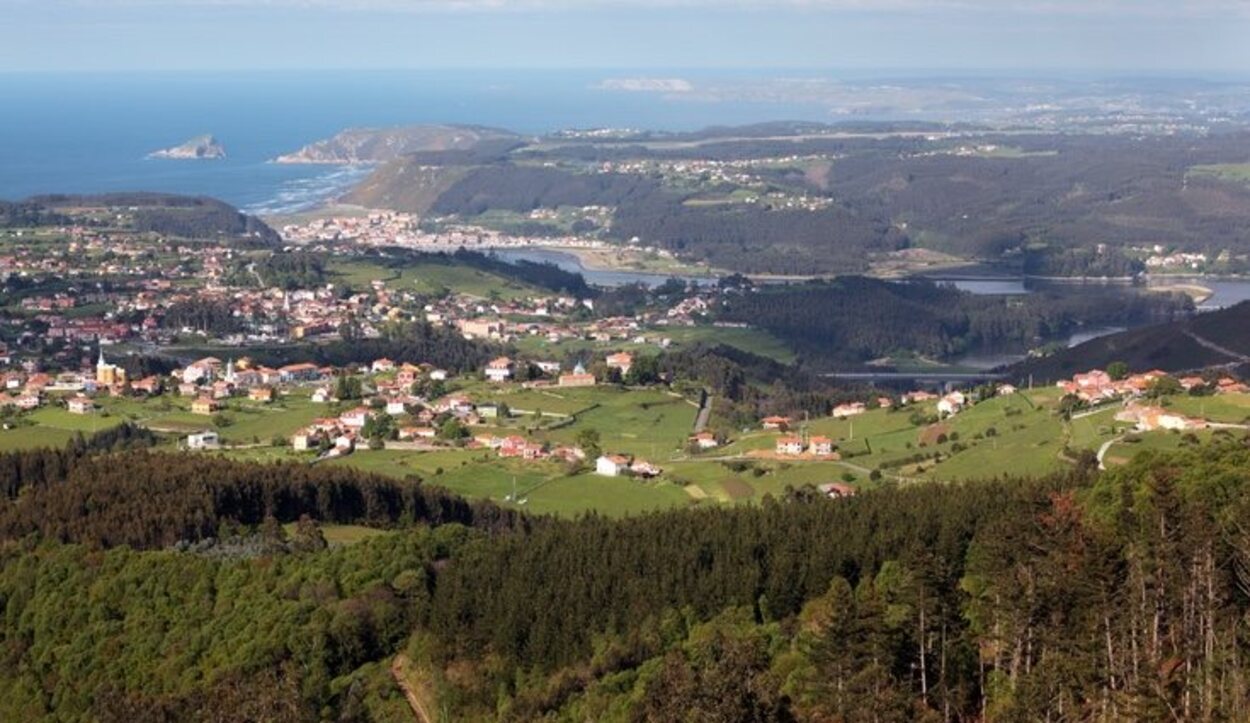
377	145
190	217
1213	339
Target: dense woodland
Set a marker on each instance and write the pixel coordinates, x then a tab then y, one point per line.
1113	596
543	275
27	215
149	500
1055	191
204	314
441	346
288	271
757	238
859	319
189	217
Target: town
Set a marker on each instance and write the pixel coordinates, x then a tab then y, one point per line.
528	390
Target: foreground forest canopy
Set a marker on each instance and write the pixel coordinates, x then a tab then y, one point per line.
1114	596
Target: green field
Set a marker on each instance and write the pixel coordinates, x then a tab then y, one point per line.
431	278
1225	408
19	438
648	423
755	341
1020	434
1237	172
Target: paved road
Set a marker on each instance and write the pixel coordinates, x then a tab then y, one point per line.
705	411
935	376
1102	451
1203	341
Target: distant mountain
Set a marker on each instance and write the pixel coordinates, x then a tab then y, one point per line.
200	148
378	145
1211	339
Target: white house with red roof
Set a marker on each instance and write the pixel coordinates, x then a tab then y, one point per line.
500	370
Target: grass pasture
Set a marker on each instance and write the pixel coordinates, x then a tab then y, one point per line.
430	278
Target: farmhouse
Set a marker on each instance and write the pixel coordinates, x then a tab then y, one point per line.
837	490
80	405
851	409
579	378
611	465
205	405
355	418
1150	418
705	440
148	385
789	445
644	469
776	422
260	394
500	370
416	432
621	360
201	370
516	446
304	372
951	403
203	440
24	401
222	390
821	446
918	396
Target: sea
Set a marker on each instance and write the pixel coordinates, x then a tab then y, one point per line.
90	132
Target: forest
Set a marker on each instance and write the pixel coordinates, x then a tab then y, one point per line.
754	237
857	319
25	214
543	275
984	196
1118	596
437	345
188	217
524	188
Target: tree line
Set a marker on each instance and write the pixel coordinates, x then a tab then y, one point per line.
1116	596
857	319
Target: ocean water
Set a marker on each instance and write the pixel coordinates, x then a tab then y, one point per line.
86	133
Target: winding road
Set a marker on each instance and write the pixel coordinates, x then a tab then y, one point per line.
1205	342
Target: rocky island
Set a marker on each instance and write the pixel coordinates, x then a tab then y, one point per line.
200	148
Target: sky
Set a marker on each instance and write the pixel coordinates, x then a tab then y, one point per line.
1115	36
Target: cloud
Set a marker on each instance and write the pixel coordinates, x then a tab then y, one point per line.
1122	8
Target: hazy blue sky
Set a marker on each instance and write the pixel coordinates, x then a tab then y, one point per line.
1100	35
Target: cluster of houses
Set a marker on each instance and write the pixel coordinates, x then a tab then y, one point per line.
1096	385
1148	418
792	445
617	465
